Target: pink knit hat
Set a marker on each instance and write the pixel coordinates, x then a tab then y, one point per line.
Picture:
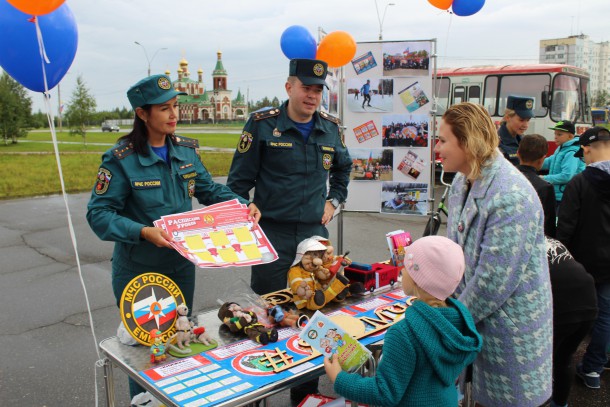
436	264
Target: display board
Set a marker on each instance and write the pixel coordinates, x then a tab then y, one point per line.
386	99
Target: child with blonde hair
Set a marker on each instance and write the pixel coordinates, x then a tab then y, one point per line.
425	352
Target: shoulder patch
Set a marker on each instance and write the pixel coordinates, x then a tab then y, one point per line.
330	118
123	151
265	114
184	141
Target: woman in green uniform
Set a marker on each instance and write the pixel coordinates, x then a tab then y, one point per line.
149	173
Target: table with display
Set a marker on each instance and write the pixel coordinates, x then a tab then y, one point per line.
240	371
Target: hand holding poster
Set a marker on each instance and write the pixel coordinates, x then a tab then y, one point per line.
220	235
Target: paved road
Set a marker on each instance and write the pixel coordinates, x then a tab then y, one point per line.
48	353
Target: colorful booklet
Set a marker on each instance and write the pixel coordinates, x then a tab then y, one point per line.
397	241
328	338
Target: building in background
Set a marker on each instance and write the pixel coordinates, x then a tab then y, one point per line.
210	106
580	51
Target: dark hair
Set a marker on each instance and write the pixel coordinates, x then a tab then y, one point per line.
532	147
138	136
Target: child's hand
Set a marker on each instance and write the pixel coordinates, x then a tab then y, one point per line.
332	367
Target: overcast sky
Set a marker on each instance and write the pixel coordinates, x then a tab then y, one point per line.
248	34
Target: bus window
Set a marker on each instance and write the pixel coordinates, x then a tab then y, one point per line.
459	95
524	85
491	93
442	101
565	103
474	94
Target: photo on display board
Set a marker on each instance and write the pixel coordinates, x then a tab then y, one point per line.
406	58
404	198
371	164
413	97
364	62
412	165
330	96
365	131
404	130
370	95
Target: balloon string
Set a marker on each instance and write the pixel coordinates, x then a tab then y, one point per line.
51	120
437	86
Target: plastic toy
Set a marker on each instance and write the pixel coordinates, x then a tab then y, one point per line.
286	317
372	276
240	320
157	349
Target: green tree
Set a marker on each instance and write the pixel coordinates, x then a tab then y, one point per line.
80	112
601	98
15	109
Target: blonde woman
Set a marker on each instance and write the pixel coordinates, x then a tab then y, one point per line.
517	116
497	218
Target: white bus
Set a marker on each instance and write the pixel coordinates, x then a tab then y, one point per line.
560	92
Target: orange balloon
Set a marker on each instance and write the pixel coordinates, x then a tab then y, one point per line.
36	7
442	4
336	49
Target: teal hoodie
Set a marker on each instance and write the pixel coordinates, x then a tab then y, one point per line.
562	166
423	355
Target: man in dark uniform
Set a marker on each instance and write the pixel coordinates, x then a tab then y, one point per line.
519	111
295	159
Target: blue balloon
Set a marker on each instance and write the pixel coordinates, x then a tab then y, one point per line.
19	51
297	42
464	8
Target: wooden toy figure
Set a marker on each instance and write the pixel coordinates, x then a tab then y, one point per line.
306	273
157	349
183	327
240	320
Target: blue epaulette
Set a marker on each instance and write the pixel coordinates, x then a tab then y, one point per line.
330	118
184	141
123	150
265	114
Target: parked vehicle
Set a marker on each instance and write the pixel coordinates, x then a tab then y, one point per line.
110	127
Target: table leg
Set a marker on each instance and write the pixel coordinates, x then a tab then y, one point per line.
109	381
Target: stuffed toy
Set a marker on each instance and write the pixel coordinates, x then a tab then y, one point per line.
200	336
183	327
240	320
306	273
334	265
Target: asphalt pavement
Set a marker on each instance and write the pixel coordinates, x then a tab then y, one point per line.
49	353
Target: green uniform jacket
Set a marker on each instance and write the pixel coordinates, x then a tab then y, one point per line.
290	176
133	190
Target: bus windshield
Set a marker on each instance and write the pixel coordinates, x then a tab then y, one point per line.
523	85
565	102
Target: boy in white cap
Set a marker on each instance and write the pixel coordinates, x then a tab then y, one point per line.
424	353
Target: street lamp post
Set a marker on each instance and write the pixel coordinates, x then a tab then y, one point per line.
149	60
382	18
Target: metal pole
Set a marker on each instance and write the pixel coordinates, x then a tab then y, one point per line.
109	381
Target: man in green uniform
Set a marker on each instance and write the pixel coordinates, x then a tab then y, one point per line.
295	159
288	154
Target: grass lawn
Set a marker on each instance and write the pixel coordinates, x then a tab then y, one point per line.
29	168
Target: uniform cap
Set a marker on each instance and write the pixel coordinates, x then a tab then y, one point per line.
309	71
564	125
436	264
307	245
152	90
592	135
522	105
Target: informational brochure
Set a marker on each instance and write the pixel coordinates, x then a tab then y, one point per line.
220	235
328	338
